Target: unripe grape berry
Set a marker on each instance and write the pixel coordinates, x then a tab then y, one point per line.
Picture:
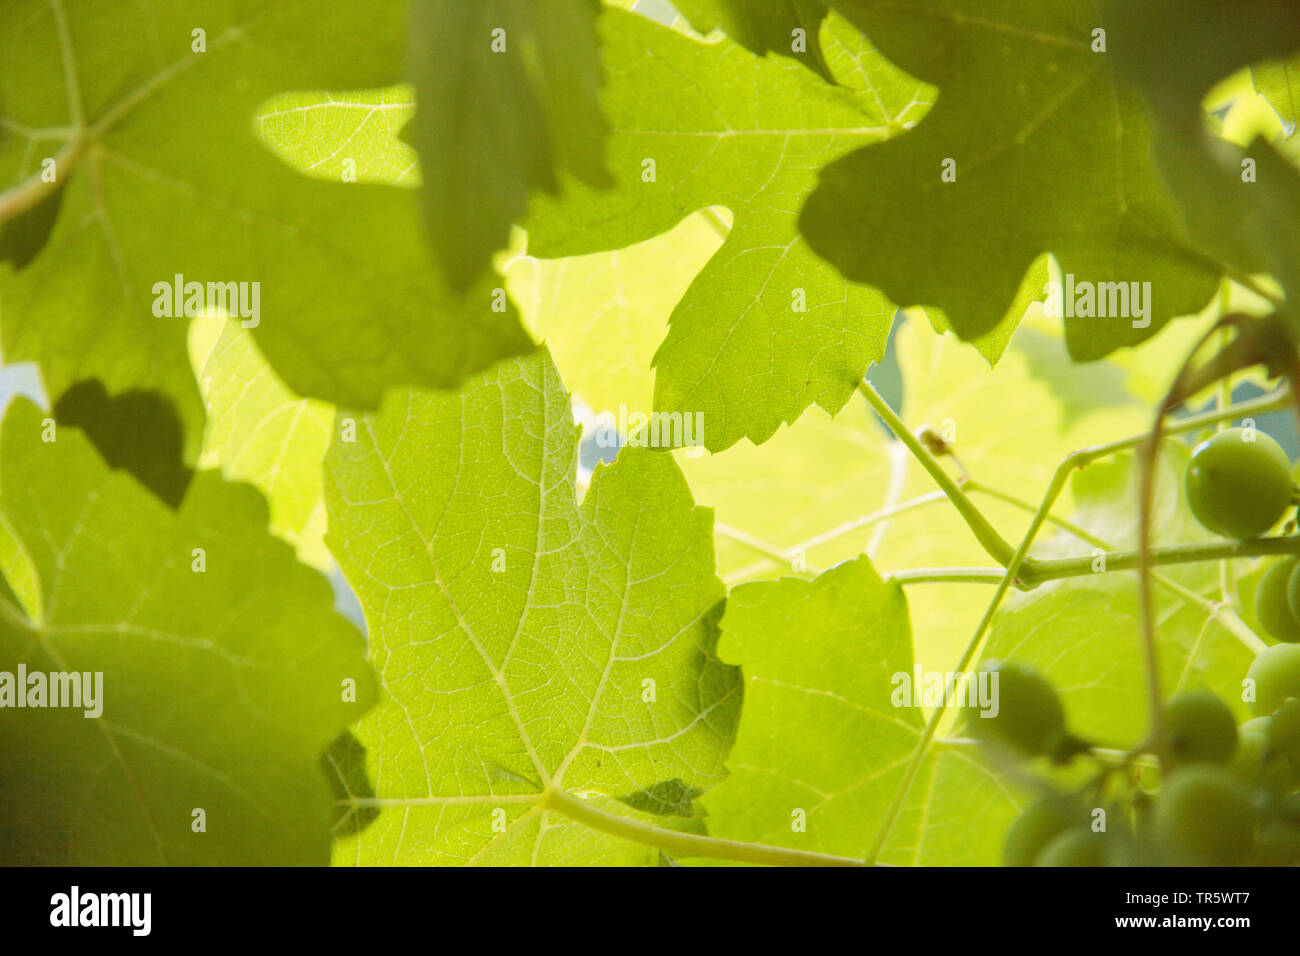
1260	726
1026	712
1273	604
1239	483
1255	763
1078	846
1201	729
1204	817
1278	844
1037	824
1284	734
1253	744
1276	674
1293	592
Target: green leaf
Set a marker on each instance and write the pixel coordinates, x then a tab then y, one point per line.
603	315
994	342
525	641
1278	82
1177	50
327	135
221	688
821	746
737	350
1010	427
347	304
1248	218
260	432
18	573
764	26
1051	154
508	93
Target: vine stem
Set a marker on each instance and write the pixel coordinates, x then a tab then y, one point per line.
1104	754
1017	563
972	649
1030	572
34	189
1221	611
869	519
1071	462
997	547
947	575
1222	399
684	844
1034	571
1055	569
786	555
755	544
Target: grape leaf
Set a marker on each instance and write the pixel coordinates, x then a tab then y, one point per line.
525	642
1176	50
1009	427
1021	93
18	578
1279	82
1249	218
220	688
325	134
1249	115
508	91
311	131
603	315
260	432
821	747
118	100
764	26
994	342
737	351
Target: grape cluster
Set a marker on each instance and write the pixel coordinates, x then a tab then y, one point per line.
1227	795
1223	795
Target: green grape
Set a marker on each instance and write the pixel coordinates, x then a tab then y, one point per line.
1289	808
1278	844
1284	734
1204	817
1276	674
1026	712
1255	764
1253	748
1293	591
1201	728
1123	849
1239	483
1037	824
1078	846
1273	601
1260	726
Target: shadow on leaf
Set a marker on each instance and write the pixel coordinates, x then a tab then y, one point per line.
345	768
135	431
